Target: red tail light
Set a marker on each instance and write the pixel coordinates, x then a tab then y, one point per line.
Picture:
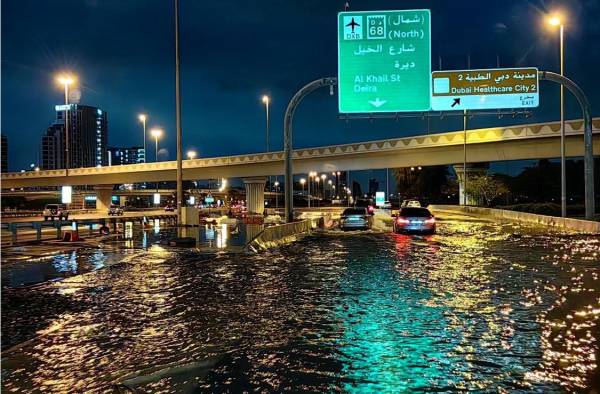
371	209
431	220
402	221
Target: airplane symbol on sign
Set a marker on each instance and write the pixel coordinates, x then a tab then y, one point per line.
352	24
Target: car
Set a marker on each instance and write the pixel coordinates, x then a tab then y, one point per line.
115	210
356	218
58	211
387	205
414	220
365	203
169	208
410	204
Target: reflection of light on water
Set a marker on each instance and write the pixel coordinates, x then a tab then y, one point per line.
157	249
570	332
145	240
66	264
222	237
128	230
210	232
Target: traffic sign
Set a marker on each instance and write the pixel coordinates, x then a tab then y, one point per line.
379	199
384	61
485	89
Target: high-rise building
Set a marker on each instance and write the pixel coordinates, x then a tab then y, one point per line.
129	155
53	148
88	136
373	186
3	153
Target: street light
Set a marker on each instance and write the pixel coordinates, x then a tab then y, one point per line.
66	80
142	118
266	100
191	154
156	133
556	20
276	194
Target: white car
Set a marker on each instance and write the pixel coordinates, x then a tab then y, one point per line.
387	205
410	204
58	211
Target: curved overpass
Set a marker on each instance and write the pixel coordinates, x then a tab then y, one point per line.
530	141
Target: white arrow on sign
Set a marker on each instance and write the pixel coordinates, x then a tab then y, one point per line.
377	102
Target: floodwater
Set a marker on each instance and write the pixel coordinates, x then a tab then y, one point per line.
480	306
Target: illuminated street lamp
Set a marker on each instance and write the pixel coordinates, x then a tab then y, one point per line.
156	133
276	194
66	80
556	21
142	118
191	154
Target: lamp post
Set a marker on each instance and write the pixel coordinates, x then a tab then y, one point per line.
330	183
66	80
323	177
556	21
311	175
276	195
302	182
156	133
317	186
266	101
142	118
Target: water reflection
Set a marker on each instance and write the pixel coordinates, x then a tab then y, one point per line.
478	307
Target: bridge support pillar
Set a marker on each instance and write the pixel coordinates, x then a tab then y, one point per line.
473	170
103	197
255	195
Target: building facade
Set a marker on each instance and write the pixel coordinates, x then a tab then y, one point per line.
127	155
87	138
3	153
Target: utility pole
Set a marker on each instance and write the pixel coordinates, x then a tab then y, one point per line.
178	118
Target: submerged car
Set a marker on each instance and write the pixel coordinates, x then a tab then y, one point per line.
115	210
356	218
58	211
410	204
414	220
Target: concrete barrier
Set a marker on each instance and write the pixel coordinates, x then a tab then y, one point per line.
582	226
276	235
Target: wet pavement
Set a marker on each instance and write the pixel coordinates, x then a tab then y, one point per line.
479	306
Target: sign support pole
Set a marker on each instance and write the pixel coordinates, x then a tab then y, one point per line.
588	158
287	139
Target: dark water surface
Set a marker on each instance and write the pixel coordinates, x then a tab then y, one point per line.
480	306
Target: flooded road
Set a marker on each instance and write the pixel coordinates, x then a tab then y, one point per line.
479	306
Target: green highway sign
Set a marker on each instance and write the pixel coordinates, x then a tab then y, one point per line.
485	89
384	61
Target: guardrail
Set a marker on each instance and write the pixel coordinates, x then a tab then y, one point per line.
275	235
583	226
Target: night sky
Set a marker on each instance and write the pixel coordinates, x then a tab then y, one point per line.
233	52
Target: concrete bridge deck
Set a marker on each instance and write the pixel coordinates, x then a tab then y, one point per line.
530	141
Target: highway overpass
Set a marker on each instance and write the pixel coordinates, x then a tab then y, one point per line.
529	141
